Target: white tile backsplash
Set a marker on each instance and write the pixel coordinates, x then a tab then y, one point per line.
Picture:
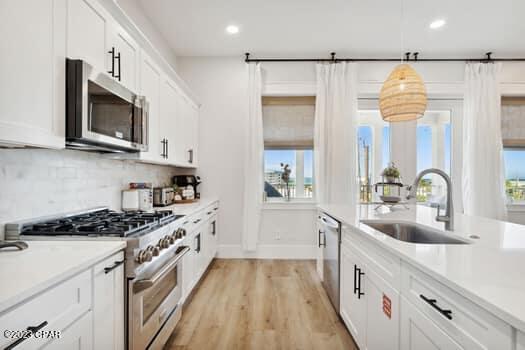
37	182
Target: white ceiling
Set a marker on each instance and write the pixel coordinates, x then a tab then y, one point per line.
348	27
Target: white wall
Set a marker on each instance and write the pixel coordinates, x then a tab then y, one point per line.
38	182
220	85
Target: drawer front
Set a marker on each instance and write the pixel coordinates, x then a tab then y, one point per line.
78	336
108	262
58	306
385	264
469	325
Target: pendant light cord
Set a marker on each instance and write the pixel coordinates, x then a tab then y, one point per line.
402	30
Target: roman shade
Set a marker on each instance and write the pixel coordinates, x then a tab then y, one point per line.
288	122
513	121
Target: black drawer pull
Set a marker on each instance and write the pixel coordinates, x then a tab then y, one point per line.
355	278
433	303
113	267
31	330
209	213
197	221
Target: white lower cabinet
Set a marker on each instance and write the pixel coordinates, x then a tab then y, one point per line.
419	332
87	309
78	336
202	238
389	304
369	306
108	303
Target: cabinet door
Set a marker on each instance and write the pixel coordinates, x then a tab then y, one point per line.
32	71
150	88
184	129
108	299
126	57
89	28
353	307
419	332
320	256
382	313
192	144
78	336
188	275
168	114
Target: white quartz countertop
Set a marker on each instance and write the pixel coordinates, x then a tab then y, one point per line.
190	208
27	272
490	271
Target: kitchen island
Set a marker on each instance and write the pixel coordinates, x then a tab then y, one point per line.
485	274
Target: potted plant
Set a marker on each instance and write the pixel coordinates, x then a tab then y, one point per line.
391	173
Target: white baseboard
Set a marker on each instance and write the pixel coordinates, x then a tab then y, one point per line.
234	251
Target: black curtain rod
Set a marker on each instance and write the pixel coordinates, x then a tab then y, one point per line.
407	58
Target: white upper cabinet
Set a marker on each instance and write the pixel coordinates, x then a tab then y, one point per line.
187	122
89	28
95	37
150	84
124	58
32	71
168	119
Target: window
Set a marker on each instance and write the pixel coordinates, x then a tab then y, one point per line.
373	137
513	133
288	124
433	151
300	184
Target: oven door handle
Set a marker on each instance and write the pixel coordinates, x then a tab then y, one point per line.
144	284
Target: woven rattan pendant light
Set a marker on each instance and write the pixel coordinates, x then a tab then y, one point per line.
403	95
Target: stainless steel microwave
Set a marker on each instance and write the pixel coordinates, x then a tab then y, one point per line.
101	114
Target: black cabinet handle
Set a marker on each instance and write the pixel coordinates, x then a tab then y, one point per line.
190	160
113	267
112	71
197	221
30	330
214	228
163	148
433	303
359	292
167	148
117	57
209	213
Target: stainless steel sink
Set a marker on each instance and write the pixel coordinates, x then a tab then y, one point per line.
413	233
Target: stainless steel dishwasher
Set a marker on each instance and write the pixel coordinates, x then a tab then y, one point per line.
330	240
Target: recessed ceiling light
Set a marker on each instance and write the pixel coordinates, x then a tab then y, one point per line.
232	29
438	23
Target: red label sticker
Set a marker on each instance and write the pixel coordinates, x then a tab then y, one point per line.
387	306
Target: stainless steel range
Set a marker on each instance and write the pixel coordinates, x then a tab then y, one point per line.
153	264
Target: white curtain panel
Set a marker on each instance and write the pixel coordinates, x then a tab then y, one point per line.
335	134
253	161
483	171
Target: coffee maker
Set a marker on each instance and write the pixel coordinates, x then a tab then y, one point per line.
188	180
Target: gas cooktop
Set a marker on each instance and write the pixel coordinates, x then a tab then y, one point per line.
103	222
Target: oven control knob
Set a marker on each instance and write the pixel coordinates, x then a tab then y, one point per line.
180	233
143	256
164	242
156	251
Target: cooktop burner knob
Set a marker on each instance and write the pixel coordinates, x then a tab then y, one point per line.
156	251
180	233
144	255
164	242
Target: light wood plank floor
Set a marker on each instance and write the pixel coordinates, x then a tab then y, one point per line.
260	304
